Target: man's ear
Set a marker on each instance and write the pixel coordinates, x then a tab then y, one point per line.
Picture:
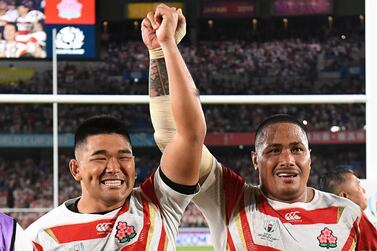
254	160
74	168
343	194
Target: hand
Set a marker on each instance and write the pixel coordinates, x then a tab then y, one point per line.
149	26
166	23
148	33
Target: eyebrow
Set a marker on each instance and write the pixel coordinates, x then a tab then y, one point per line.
291	144
297	143
104	152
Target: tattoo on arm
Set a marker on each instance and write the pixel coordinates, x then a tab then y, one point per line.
158	78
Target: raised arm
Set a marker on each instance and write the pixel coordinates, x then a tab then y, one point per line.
160	101
181	157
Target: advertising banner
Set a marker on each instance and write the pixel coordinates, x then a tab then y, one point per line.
228	9
302	7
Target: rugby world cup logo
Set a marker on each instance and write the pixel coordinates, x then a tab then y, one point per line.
270	226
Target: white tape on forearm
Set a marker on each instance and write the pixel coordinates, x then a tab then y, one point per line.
165	129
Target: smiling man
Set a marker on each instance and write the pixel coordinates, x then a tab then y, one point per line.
283	159
282	213
111	214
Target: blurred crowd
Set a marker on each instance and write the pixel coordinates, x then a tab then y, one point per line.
35	118
287	66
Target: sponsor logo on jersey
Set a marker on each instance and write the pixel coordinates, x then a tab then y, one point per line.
104	227
125	233
327	239
292	216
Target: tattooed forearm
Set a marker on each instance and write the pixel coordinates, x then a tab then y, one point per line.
158	78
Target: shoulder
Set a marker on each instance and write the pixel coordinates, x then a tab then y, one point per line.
49	219
331	200
22	242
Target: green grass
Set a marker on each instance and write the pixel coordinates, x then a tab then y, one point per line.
194	248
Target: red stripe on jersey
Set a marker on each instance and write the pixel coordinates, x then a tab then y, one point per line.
367	235
85	231
231	246
351	240
161	244
246	227
82	231
37	247
148	189
141	243
233	184
247	233
300	216
23	32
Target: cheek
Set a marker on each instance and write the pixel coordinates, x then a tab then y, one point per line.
129	169
91	173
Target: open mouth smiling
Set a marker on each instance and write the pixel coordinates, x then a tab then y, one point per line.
287	174
113	182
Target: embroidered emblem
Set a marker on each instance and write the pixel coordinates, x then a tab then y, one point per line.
125	232
327	239
270	226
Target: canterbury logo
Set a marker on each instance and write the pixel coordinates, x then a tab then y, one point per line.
104	227
292	216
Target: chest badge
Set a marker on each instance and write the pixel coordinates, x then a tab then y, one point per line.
327	239
125	233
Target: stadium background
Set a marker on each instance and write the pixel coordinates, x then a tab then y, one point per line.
232	48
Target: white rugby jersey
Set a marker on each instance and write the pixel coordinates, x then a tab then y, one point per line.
149	220
240	217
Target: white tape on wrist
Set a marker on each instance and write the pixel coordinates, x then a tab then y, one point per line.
156	53
179	35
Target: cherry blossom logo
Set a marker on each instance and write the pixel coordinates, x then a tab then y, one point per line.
125	232
69	9
327	239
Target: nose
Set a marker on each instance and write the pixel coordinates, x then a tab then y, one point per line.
113	165
286	158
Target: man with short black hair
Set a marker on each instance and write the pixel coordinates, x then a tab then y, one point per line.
282	213
343	182
111	214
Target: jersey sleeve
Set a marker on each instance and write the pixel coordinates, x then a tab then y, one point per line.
367	235
171	203
217	199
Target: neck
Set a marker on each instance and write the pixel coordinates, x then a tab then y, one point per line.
305	197
86	206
